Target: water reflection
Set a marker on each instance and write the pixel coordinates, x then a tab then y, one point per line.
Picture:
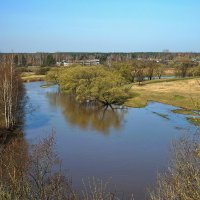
88	116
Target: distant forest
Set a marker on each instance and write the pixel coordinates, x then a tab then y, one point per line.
48	59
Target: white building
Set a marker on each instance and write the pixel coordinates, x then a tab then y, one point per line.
64	63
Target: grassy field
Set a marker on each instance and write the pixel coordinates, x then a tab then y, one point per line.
184	93
31	77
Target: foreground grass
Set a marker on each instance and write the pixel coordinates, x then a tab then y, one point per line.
181	93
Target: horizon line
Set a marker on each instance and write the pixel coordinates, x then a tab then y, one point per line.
100	52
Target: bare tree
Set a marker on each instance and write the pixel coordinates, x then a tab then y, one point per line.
182	180
11	92
33	173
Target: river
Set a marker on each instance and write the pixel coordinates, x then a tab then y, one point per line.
126	147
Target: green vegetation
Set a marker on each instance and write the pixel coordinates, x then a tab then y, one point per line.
91	84
136	71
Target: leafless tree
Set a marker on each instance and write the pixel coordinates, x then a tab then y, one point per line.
32	173
11	93
182	180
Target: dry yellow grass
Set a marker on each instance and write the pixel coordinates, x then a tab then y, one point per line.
181	93
32	78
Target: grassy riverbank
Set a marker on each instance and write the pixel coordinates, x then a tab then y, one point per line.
33	78
184	93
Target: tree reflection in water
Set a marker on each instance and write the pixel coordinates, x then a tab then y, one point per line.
88	115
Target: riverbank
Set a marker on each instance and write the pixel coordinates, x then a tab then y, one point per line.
31	77
184	93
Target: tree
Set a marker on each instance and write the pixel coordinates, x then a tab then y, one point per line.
11	93
126	69
159	69
50	60
32	172
182	66
53	75
139	67
194	71
131	71
150	69
16	60
24	61
95	84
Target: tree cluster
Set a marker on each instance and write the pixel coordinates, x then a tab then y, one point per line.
11	94
91	84
185	67
137	71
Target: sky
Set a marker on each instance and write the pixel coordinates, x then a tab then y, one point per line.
99	25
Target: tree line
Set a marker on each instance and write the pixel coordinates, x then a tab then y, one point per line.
50	59
136	70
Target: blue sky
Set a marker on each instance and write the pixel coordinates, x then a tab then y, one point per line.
99	25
